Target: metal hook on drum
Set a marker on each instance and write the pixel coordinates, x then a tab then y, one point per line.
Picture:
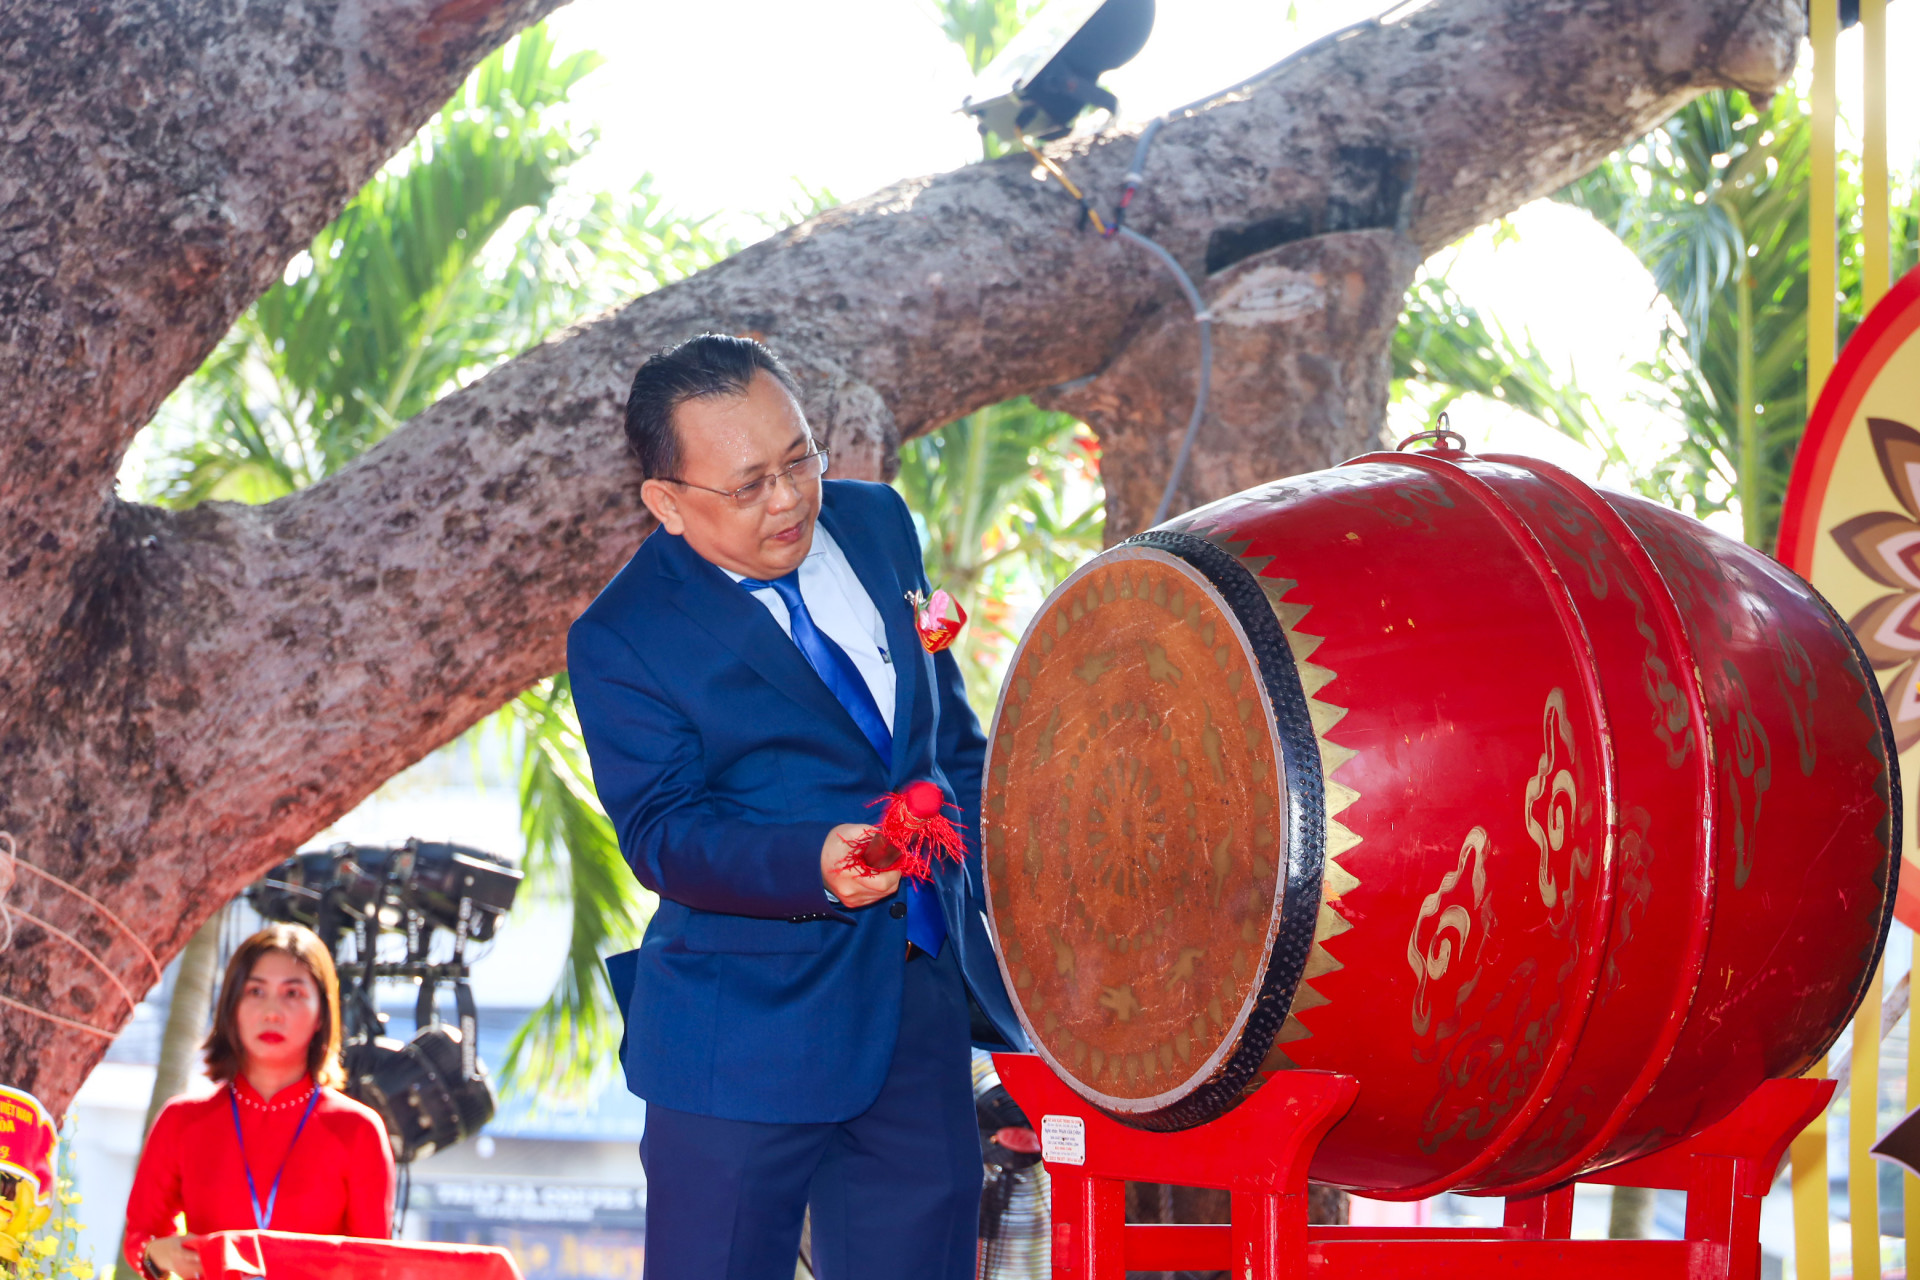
1440	435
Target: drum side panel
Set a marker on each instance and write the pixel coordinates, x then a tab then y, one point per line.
1805	833
1468	778
1661	865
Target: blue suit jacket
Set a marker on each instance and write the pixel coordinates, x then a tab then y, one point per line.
723	761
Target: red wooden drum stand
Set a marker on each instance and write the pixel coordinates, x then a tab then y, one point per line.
1260	1152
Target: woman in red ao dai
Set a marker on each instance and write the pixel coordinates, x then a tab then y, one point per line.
279	1146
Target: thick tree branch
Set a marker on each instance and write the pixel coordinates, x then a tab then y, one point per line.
1301	340
222	683
164	159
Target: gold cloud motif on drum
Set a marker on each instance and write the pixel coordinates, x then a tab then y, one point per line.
1449	933
1552	799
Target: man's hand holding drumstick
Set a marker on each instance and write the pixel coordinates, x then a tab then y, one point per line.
861	864
843	876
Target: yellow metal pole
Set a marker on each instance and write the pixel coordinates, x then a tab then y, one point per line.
1875	267
1811	1246
1811	1259
1863	1124
1910	1185
1824	21
1875	279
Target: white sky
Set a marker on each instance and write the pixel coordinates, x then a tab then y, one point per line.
727	102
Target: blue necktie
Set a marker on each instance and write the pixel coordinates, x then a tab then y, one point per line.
926	925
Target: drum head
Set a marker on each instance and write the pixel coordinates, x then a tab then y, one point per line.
1154	830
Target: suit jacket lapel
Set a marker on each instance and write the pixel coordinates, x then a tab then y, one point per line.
730	614
888	591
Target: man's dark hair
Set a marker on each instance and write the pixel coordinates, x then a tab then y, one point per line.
713	364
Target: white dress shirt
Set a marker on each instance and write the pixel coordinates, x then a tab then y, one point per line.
840	607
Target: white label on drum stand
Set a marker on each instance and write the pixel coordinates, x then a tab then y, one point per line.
1063	1139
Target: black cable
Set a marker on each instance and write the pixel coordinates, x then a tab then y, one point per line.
1130	186
1204	319
1200	316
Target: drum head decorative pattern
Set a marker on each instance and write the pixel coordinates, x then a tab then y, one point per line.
1153	918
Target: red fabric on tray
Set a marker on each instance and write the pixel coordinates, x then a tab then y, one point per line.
283	1255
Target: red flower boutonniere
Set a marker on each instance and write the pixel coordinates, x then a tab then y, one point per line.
938	619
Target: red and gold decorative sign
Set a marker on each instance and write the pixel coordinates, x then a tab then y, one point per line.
1851	521
27	1140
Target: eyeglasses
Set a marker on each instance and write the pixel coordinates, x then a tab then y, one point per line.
747	496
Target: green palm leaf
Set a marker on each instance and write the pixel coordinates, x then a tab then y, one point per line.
1448	349
1714	203
571	847
1006	502
390	304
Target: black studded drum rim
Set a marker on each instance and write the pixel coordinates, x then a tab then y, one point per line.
1306	830
1231	1056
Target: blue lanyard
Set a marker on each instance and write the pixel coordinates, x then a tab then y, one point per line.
260	1220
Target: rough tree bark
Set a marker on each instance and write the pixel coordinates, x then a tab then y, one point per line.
186	696
1301	366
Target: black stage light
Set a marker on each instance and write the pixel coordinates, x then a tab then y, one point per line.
329	889
431	1091
445	880
324	889
420	1089
1050	71
295	892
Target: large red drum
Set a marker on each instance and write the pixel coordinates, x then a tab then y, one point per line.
1556	818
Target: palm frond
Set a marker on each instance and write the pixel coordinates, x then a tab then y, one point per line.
1714	203
1450	349
1009	500
570	844
391	302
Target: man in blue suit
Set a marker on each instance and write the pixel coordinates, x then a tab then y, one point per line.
748	685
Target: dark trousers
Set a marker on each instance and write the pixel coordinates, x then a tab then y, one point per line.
895	1192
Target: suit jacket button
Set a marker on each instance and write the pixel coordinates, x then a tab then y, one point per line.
898	911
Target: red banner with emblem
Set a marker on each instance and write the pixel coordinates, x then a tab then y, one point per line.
27	1139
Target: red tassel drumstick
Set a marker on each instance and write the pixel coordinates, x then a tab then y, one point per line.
911	834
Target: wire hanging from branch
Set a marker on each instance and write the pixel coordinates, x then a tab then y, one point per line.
1204	320
1118	230
10	867
1087	212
